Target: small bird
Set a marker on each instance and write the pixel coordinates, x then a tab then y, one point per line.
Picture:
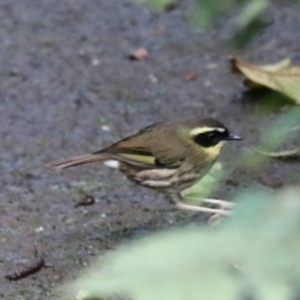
169	157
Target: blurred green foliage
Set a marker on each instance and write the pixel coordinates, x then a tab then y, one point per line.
255	253
283	130
205	12
207	184
250	19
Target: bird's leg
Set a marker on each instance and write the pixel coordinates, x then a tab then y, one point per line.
221	204
221	212
177	198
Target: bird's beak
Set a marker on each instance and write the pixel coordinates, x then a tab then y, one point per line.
234	137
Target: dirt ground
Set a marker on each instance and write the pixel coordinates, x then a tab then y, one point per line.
66	79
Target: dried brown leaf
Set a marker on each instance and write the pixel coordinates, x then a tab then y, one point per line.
138	54
282	76
190	77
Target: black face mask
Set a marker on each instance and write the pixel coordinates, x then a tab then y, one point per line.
211	138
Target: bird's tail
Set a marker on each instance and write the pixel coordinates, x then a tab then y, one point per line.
77	161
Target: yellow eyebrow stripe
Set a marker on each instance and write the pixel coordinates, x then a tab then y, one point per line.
205	129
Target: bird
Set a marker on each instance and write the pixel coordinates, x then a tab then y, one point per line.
168	157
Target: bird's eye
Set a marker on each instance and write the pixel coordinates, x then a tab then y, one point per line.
208	139
211	135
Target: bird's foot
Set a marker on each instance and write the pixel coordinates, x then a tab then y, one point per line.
222	204
221	211
221	208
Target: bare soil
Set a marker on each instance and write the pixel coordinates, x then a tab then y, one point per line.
65	73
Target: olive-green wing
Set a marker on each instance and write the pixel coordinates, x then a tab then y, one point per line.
144	148
141	158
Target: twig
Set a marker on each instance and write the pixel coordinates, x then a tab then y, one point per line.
87	200
29	268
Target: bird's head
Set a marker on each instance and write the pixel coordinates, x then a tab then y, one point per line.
209	135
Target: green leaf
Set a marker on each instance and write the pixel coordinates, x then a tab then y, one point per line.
252	11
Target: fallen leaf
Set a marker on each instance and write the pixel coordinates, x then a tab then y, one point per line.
190	77
87	200
280	154
294	153
282	76
138	54
271	182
